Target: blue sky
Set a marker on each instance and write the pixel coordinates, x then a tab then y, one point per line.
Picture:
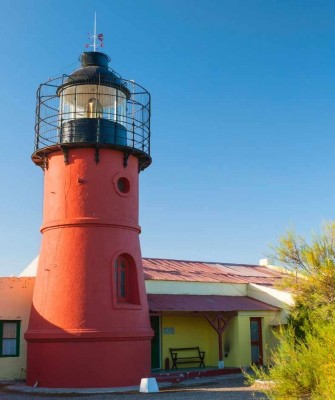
243	117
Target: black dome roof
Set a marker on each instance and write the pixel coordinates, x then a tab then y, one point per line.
94	70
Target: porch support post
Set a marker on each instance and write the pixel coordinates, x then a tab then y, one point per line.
219	322
220	346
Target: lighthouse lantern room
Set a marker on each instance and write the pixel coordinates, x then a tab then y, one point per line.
89	324
93	106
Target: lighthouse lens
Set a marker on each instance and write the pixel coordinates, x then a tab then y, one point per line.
93	101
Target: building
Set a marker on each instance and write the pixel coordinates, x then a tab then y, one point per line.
86	316
192	304
231	310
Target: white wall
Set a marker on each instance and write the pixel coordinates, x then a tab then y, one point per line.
274	297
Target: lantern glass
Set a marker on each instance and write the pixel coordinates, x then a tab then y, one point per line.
93	101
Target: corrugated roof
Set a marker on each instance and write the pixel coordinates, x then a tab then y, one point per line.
197	271
206	303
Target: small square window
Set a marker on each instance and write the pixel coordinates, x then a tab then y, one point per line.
169	330
9	338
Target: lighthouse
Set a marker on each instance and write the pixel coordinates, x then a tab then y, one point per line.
89	324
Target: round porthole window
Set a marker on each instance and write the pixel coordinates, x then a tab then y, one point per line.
123	185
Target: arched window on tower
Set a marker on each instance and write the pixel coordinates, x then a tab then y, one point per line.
125	281
121	278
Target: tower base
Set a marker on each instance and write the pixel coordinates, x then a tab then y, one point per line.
88	364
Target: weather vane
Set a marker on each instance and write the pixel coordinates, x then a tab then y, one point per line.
95	37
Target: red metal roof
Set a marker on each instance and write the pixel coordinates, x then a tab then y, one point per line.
197	271
206	303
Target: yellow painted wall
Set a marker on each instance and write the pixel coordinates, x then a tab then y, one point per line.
15	303
231	344
269	341
196	331
189	332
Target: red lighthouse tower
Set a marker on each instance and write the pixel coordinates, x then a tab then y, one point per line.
89	324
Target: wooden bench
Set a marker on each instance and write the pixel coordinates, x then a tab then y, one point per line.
187	355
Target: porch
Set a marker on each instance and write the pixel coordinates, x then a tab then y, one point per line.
233	331
183	374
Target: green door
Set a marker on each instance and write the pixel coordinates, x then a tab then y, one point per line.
155	343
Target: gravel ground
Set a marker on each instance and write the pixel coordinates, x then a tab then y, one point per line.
225	388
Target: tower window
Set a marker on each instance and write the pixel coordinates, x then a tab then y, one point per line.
9	338
125	281
121	278
123	185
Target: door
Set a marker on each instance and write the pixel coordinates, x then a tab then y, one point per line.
256	341
156	343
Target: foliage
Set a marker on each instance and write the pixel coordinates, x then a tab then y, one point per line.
302	367
313	281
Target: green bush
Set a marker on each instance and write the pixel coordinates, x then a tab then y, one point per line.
304	369
303	365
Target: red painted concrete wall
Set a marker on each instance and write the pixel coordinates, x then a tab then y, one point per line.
79	335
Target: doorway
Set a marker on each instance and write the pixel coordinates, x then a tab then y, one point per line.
256	341
156	343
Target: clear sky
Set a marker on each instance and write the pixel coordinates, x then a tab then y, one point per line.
243	117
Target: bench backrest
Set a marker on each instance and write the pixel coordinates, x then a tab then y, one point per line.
176	350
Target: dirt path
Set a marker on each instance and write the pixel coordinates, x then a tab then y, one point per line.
225	388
